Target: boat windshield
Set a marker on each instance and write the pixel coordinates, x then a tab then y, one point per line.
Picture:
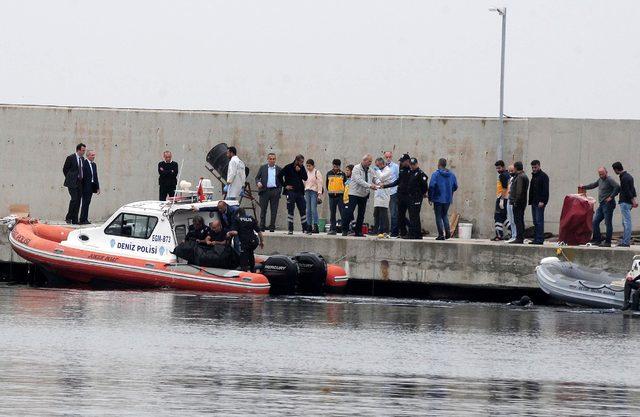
132	225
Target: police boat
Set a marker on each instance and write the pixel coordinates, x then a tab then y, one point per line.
135	247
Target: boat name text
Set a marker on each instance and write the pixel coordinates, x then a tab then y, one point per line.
21	239
104	257
152	250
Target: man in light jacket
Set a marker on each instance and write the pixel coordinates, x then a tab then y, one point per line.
381	198
236	175
363	180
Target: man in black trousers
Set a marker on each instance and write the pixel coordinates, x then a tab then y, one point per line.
168	179
292	178
404	199
90	185
269	188
73	174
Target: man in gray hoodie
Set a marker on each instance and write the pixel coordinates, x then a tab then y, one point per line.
608	189
362	182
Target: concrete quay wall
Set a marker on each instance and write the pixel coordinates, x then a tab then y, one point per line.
129	143
457	262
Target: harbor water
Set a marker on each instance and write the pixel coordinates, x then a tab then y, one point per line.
82	352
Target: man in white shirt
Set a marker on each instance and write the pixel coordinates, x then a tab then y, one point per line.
236	175
393	192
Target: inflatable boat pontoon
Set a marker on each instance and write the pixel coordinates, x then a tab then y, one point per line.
576	284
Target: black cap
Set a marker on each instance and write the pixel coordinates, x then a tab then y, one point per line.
413	161
404	157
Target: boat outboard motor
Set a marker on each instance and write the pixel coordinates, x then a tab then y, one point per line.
282	273
313	272
217	158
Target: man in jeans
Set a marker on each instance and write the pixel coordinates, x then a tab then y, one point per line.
538	199
608	189
441	188
626	200
518	198
393	193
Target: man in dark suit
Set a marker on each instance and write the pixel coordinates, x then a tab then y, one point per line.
269	189
168	179
73	174
90	185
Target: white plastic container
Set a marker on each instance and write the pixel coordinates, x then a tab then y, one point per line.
464	230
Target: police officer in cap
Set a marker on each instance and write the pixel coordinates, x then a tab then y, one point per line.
245	231
417	188
404	200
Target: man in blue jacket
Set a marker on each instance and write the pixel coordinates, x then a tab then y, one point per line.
441	188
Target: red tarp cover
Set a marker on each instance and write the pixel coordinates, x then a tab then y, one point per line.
576	219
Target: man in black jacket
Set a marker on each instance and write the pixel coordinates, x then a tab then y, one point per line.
246	228
518	198
90	185
73	174
404	199
417	187
292	177
538	199
269	186
168	180
626	200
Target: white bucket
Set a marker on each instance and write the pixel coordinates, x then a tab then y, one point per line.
464	230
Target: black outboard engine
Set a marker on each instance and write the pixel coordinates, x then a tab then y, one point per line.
282	273
217	158
313	272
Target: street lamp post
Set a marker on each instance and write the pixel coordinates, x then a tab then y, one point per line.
502	12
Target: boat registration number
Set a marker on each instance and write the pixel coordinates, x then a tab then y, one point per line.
161	238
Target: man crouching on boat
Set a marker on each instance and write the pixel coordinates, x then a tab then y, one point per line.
198	231
245	231
217	235
631	283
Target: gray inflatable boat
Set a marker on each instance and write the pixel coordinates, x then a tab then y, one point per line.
576	284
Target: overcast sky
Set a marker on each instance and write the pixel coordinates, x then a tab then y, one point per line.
575	58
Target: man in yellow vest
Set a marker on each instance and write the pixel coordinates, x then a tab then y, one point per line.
335	188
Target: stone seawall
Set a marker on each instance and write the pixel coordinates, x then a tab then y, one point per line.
129	144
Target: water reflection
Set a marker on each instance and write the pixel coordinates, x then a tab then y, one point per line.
159	353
